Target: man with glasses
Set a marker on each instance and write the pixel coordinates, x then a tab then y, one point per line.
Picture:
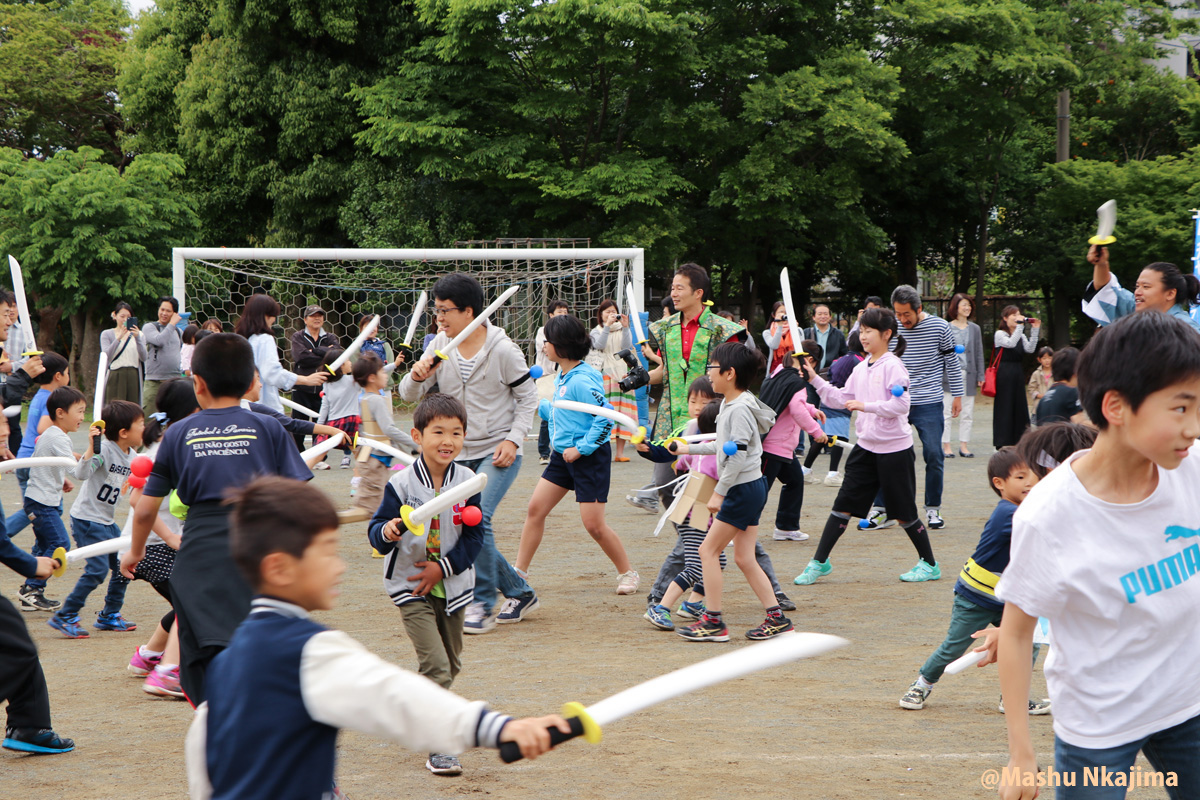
488	374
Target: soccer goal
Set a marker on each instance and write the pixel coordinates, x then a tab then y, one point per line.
215	282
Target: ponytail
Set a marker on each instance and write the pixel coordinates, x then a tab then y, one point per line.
900	345
1187	287
883	320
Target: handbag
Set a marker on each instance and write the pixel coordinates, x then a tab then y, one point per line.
989	376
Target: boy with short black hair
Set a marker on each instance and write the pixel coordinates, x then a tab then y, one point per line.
286	685
1105	548
220	447
433	601
975	604
1061	401
92	518
44	492
56	375
375	422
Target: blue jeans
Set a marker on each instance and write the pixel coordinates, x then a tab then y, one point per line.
87	532
492	571
1175	750
544	440
49	531
927	419
17	522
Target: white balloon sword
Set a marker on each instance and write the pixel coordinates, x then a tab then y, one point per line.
969	660
1106	222
605	411
384	448
25	320
322	448
36	461
367	332
589	722
98	399
415	518
108	546
297	407
452	345
635	318
417	313
785	285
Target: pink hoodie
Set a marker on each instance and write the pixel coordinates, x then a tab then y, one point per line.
706	465
785	435
882	425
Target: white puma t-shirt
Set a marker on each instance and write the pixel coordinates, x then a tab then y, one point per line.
1119	585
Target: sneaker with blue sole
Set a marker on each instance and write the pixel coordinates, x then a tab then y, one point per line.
68	626
660	617
516	609
113	622
923	571
814	570
690	610
42	741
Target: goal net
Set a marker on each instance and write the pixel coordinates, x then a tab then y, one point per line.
215	283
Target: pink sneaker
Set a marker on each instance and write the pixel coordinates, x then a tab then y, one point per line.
140	665
163	684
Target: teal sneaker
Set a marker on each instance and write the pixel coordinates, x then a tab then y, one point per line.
690	610
922	572
660	617
814	570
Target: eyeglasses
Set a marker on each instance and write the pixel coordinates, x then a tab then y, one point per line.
717	367
441	312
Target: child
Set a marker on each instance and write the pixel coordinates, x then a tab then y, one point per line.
975	603
93	514
44	492
221	447
740	494
784	394
286	685
185	349
581	453
1043	376
377	423
1061	401
883	455
340	407
433	601
837	420
546	383
1104	547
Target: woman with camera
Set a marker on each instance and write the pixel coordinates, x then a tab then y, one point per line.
610	337
126	352
1010	416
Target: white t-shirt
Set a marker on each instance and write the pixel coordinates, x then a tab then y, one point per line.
1119	585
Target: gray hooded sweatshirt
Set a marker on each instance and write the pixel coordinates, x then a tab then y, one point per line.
743	421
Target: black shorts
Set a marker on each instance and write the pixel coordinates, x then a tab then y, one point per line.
865	472
588	475
744	504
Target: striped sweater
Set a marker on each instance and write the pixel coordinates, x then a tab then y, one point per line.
928	356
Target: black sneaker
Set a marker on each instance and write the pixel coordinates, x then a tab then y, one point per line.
35	600
706	630
442	764
785	602
771	627
36	740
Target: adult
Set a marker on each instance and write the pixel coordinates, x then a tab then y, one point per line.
11	361
164	344
1010	413
968	345
309	345
257	325
489	375
778	338
1160	287
824	333
126	354
872	301
212	325
610	336
929	358
545	384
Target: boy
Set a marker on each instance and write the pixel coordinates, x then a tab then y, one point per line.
376	410
1061	401
44	492
1104	547
433	601
740	494
92	515
285	685
220	447
55	377
975	603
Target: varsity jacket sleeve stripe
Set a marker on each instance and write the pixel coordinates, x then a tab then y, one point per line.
470	541
389	509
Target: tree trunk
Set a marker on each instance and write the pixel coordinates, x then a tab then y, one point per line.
981	254
1061	315
86	331
48	321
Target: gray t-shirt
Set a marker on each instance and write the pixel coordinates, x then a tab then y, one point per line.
103	477
962	336
46	483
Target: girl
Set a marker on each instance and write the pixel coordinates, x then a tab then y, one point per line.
837	420
580	458
883	455
126	353
784	393
185	350
339	406
1010	414
778	338
373	344
610	337
1043	377
256	324
970	360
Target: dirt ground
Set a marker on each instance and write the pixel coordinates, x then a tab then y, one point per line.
827	727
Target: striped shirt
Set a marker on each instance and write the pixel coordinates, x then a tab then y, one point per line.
928	355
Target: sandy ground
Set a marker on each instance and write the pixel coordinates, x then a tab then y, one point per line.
828	727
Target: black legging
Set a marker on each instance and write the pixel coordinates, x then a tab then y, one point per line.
168	619
1010	415
814	450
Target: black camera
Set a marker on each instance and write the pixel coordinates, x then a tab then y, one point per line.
637	377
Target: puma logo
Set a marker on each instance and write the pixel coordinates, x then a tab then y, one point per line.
1179	532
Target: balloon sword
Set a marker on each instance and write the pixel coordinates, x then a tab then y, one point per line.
440	355
22	307
785	285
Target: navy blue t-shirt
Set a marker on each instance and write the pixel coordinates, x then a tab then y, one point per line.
992	552
202	456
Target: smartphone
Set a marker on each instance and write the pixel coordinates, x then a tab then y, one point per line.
131	322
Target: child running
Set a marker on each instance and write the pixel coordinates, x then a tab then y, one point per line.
433	601
581	456
883	456
340	406
740	494
286	685
93	517
784	394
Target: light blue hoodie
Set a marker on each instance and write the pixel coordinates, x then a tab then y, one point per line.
584	432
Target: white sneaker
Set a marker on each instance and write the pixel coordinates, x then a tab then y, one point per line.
477	620
933	519
543	460
322	465
810	477
790	536
833	479
346	462
627	582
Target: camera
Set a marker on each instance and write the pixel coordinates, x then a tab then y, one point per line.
637	377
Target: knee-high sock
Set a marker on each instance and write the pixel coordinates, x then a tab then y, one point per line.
920	539
835	526
835	458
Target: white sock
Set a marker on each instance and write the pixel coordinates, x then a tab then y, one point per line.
832	472
924	684
147	653
805	470
163	669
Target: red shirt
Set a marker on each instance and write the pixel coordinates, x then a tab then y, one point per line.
687	334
